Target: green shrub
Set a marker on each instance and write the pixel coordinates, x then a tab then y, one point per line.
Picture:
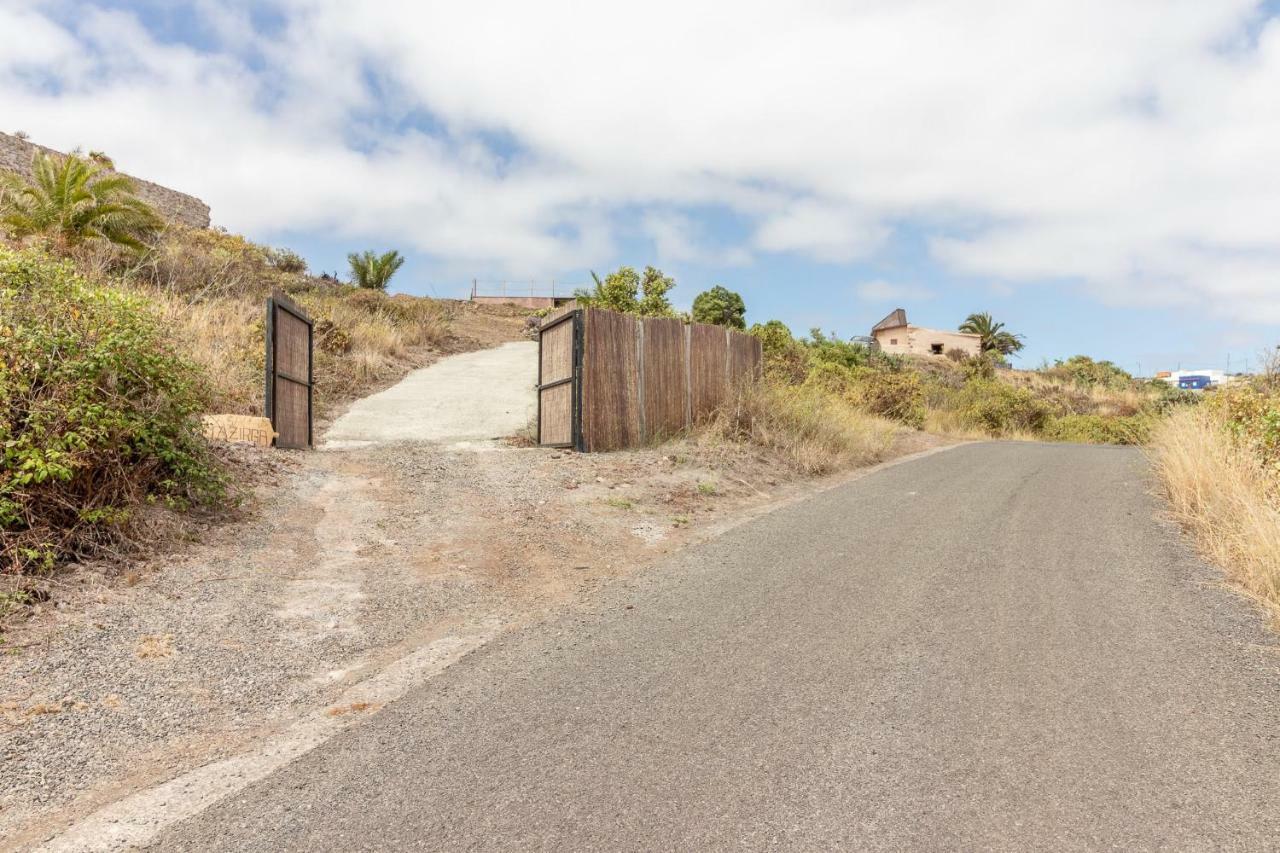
1100	429
1084	371
1001	409
785	359
98	415
1252	416
287	260
897	395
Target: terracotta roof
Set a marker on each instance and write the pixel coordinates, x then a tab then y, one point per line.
895	320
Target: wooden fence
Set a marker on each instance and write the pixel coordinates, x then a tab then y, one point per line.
609	381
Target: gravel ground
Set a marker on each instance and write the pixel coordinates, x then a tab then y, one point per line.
350	560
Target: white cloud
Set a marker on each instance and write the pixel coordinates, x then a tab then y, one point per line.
1127	148
887	291
679	238
824	230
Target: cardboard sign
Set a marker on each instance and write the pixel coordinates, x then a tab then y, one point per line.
244	429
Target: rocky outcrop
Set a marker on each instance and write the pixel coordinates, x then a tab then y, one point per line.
173	206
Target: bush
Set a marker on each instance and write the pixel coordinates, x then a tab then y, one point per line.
287	261
1252	416
898	396
1000	409
815	431
1084	371
205	264
785	359
1100	429
98	415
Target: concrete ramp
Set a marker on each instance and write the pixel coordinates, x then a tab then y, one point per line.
474	396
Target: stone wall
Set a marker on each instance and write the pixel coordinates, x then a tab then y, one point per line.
15	156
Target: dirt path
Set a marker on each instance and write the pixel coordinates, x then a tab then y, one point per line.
482	395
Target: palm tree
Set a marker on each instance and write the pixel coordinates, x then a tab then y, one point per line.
72	199
994	336
374	271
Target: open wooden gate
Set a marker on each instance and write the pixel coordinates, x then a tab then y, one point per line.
289	372
560	381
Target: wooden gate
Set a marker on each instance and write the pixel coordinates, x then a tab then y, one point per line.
289	373
560	381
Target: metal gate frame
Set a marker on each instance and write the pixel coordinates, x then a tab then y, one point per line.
278	300
575	376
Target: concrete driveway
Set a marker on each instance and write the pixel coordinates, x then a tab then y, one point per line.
996	648
473	396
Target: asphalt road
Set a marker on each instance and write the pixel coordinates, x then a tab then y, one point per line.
998	647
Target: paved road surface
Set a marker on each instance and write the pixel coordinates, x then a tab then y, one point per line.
997	647
469	397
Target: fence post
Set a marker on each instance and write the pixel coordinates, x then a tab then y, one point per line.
688	375
644	435
728	362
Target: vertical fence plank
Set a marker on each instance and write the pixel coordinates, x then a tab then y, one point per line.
610	382
708	377
665	378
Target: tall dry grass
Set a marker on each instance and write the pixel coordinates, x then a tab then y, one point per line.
814	431
210	287
1223	493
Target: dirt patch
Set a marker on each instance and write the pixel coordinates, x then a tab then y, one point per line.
352	561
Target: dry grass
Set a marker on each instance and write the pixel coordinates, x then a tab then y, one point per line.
154	646
955	424
1067	397
210	288
1221	492
813	431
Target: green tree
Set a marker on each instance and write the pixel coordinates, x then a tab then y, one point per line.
720	306
995	338
626	291
374	271
72	199
617	291
785	358
653	293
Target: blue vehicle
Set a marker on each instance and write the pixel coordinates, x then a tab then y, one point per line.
1194	383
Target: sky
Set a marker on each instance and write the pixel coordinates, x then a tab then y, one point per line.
1103	177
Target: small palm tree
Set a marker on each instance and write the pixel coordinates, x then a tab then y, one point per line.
994	336
374	271
72	199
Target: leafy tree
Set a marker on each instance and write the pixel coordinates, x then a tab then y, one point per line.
615	292
626	291
785	358
72	199
653	289
720	306
374	271
995	338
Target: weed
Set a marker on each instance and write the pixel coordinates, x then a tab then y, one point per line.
815	430
154	646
